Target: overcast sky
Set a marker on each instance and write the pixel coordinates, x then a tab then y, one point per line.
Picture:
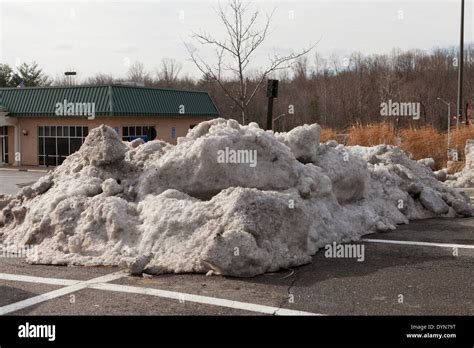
107	36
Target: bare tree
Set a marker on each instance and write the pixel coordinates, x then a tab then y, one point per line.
301	69
236	51
61	80
321	64
137	73
169	71
100	79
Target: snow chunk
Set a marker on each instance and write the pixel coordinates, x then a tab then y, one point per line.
348	173
103	146
469	153
465	178
429	162
433	202
110	187
441	174
303	141
193	166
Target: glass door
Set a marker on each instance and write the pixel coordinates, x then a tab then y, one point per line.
3	145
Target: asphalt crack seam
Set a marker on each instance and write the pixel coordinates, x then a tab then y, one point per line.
288	291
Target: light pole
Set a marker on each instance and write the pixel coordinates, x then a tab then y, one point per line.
70	75
449	122
461	65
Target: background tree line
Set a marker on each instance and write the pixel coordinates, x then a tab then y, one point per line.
334	91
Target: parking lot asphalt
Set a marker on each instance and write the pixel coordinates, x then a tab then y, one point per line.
393	279
10	179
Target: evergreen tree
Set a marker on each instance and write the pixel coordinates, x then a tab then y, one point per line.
6	75
30	75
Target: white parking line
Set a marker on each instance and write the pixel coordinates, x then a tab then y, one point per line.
405	242
57	293
213	301
101	284
39	280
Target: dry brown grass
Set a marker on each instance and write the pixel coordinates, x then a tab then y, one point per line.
371	135
420	143
327	134
425	142
455	167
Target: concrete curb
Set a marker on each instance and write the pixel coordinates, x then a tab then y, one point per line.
24	170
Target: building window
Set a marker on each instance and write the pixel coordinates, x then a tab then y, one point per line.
3	144
55	143
131	133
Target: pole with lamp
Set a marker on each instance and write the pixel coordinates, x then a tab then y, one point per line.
70	75
459	108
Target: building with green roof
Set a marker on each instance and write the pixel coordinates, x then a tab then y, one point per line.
43	125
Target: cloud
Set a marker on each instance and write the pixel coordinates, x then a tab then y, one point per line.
127	49
63	47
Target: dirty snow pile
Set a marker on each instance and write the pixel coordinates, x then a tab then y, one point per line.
160	208
465	178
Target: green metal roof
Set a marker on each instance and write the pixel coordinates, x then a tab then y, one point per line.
111	100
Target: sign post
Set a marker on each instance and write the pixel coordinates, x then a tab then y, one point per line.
272	92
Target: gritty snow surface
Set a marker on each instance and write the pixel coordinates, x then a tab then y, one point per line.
208	205
465	178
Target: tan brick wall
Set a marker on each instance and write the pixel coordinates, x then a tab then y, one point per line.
29	143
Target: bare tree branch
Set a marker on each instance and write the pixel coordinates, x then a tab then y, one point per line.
236	52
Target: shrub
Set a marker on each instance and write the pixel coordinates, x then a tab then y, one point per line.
426	142
371	135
